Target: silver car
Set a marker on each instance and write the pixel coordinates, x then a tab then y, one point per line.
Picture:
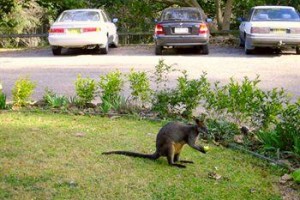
83	28
271	26
184	27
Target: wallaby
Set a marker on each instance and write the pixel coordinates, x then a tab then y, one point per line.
170	140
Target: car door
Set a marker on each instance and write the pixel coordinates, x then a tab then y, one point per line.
244	25
111	27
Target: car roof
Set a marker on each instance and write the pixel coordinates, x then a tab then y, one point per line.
85	9
183	8
263	7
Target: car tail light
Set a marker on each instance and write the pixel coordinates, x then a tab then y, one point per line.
261	30
203	29
159	29
295	30
90	29
56	30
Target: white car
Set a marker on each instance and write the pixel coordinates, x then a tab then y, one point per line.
270	26
83	28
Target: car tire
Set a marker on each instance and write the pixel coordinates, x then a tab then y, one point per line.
242	42
56	50
205	50
298	50
105	49
248	48
115	43
158	50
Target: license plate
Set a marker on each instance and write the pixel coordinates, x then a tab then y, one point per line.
181	30
279	31
74	31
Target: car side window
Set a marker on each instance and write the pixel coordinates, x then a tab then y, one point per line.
248	17
104	17
107	16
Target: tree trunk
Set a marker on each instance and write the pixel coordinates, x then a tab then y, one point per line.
227	15
219	13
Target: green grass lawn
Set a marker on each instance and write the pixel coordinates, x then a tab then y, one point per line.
53	156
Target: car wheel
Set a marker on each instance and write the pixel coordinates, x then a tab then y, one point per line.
158	50
297	50
115	43
205	49
242	42
249	49
56	50
105	49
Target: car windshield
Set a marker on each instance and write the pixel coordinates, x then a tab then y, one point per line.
275	14
70	16
181	15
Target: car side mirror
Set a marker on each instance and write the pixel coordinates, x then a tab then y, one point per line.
115	20
241	19
209	20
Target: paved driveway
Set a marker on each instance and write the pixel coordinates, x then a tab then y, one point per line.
59	72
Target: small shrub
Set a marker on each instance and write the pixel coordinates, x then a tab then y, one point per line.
54	100
2	98
285	135
222	129
161	102
271	106
161	74
111	86
240	100
296	176
182	99
22	91
85	90
140	86
188	93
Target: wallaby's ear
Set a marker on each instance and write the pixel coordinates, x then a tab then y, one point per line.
201	126
199	122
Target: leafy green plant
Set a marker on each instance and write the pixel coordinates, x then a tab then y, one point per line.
54	100
161	101
222	129
285	135
245	102
182	99
296	175
22	91
2	98
111	86
140	86
188	93
73	100
85	90
270	139
240	100
161	74
271	106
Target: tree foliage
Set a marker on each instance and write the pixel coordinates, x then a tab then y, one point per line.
31	16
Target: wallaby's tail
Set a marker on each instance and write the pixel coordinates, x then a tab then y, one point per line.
133	154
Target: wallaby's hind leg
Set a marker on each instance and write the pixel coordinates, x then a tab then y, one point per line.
176	159
171	157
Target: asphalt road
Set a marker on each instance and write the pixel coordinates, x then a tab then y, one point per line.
59	72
